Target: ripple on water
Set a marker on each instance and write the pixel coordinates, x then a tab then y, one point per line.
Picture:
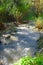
11	54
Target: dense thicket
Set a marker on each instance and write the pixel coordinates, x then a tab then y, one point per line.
11	10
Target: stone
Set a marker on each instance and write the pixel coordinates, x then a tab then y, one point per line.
2	27
1	62
6	35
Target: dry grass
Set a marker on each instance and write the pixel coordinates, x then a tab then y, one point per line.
39	24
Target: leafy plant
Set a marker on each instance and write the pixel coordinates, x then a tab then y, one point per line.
19	9
38	60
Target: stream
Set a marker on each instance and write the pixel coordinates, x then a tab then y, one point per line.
20	44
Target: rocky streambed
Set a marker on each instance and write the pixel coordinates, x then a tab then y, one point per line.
19	44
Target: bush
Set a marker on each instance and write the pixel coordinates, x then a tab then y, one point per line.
17	8
39	23
38	60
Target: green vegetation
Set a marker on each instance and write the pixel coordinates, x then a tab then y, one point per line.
38	60
39	23
20	10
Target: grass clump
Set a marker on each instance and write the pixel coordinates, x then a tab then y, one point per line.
38	60
39	23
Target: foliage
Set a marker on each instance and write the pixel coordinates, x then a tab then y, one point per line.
19	9
39	23
5	7
38	60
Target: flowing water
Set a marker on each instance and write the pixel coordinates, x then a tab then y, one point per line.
21	43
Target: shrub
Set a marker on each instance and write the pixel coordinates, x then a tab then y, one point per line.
38	60
39	23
